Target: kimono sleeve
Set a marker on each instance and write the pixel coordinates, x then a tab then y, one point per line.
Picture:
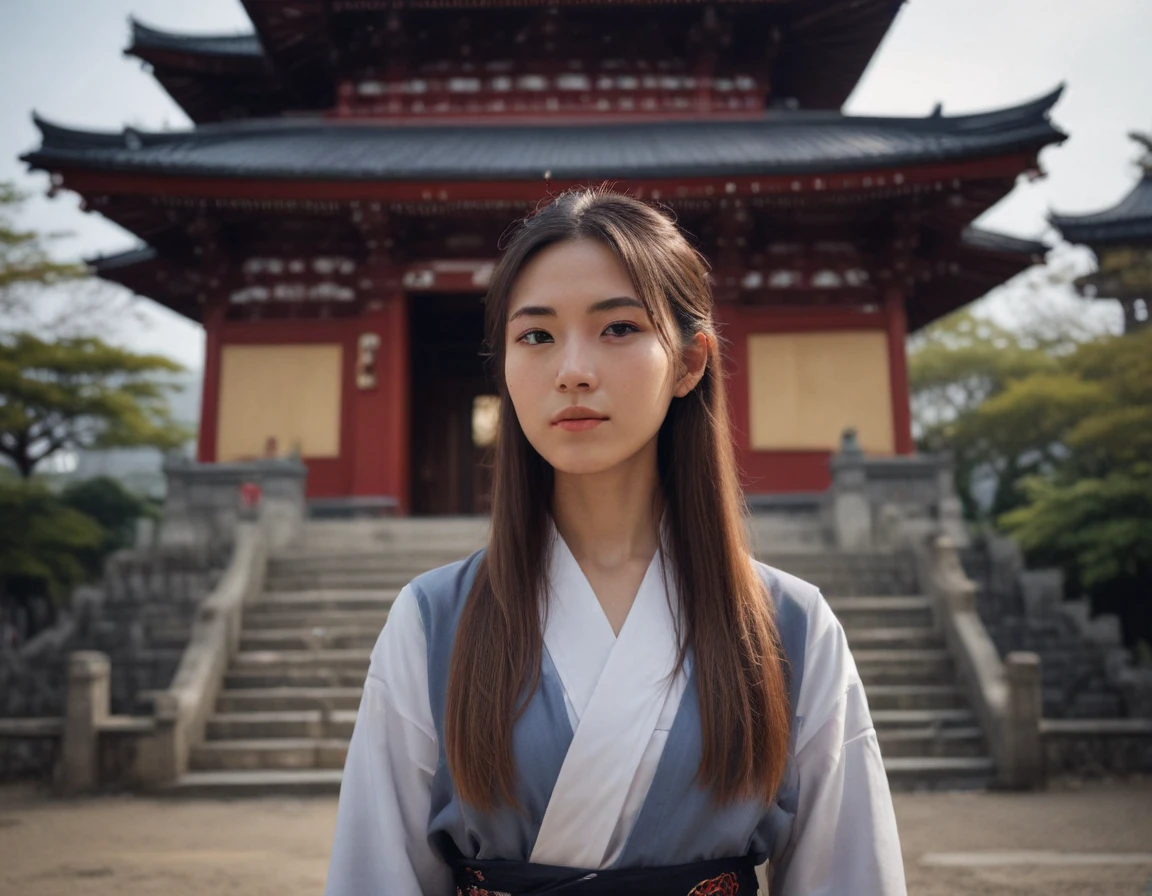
844	837
380	845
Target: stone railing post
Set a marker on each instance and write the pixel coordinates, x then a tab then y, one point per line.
87	707
949	508
851	510
1024	746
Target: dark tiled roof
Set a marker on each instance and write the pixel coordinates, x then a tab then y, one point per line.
1002	242
129	258
783	142
145	38
1129	219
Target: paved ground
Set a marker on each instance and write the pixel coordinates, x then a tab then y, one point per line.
130	846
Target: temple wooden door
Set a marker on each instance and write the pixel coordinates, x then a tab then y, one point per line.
451	407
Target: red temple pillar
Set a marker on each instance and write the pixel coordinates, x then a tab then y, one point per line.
380	429
210	387
897	327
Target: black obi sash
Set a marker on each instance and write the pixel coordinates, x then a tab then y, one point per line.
717	877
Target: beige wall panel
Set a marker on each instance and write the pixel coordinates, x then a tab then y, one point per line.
805	388
291	392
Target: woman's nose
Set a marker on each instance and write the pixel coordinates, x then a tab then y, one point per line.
576	366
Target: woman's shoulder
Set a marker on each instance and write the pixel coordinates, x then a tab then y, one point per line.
440	593
814	643
787	589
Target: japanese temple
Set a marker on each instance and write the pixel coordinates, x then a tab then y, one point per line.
1121	239
333	216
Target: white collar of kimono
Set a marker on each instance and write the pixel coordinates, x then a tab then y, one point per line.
617	686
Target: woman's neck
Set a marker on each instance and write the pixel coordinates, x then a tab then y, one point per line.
611	517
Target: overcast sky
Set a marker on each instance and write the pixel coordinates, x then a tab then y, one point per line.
64	59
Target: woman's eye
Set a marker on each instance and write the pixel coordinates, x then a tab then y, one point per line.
525	338
631	328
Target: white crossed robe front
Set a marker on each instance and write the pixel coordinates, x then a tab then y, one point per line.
621	699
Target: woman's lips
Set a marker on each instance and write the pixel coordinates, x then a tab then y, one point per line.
581	424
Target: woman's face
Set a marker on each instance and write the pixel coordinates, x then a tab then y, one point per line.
578	335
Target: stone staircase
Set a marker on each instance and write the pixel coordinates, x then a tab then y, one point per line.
286	712
928	734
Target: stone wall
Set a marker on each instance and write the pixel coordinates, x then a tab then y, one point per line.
1087	673
139	616
1097	749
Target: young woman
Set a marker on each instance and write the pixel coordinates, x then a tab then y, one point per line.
613	696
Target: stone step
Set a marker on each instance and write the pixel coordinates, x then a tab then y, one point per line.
833	559
245	784
931	742
887	697
294	678
282	724
882	612
904	774
269	753
310	637
861	586
336	579
410	562
392	530
894	636
287	699
270	660
932	666
909	773
922	718
372	620
321	601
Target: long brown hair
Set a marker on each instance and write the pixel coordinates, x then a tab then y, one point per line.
727	614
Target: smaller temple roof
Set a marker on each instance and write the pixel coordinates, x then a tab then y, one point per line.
990	241
104	264
146	40
784	142
1128	221
212	77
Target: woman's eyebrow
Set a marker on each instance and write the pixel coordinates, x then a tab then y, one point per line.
594	308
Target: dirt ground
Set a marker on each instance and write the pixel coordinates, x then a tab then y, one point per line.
132	846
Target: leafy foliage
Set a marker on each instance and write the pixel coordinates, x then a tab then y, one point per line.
44	543
80	392
954	368
113	506
1065	427
24	258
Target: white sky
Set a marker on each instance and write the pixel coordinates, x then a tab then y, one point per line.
64	59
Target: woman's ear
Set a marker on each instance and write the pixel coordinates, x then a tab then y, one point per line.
695	361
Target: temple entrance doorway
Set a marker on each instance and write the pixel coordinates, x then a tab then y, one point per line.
453	408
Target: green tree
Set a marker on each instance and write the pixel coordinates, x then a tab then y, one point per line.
81	393
1088	508
24	258
45	295
956	366
43	546
111	505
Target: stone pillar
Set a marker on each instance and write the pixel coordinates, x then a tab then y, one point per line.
851	511
283	506
87	706
949	509
1024	747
